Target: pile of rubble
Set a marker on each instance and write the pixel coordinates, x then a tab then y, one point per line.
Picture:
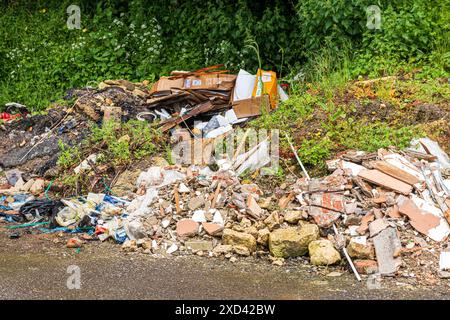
373	210
385	212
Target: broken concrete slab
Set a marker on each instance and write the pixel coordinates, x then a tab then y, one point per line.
387	246
376	226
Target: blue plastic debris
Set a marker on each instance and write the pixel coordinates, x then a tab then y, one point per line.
121	235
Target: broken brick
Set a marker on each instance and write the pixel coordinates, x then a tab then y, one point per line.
366	266
362	229
187	228
212	228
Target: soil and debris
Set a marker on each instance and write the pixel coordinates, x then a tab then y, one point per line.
383	214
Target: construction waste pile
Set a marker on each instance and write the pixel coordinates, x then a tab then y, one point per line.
385	213
206	102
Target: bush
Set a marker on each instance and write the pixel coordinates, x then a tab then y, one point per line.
140	40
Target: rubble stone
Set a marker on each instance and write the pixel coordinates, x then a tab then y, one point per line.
264	203
273	221
322	253
129	245
359	249
196	202
147	245
222	249
387	246
241	250
239	238
38	186
292	216
245	222
263	237
199	245
292	241
252	230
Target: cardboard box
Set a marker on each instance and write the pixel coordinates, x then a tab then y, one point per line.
213	81
251	107
268	86
165	84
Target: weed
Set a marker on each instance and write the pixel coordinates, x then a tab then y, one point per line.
68	156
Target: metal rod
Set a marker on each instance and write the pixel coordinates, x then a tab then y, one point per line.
298	159
358	277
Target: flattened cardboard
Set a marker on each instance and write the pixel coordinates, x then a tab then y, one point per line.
165	84
251	107
210	81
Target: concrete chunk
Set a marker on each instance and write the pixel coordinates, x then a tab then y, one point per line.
377	226
387	245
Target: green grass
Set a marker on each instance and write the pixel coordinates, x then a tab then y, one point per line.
333	114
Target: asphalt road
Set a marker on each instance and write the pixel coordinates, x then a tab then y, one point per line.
34	267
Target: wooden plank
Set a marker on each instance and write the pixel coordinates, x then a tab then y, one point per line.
395	172
172	122
381	179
